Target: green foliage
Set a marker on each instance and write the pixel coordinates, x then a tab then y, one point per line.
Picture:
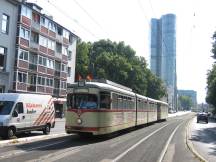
185	102
118	63
82	58
211	78
211	86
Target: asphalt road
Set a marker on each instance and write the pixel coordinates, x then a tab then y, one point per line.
164	141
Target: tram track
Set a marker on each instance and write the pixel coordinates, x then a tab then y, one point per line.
116	148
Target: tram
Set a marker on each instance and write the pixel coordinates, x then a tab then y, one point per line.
103	107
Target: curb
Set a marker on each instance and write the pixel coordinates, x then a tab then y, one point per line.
30	139
190	144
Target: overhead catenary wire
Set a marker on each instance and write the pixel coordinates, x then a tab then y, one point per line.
91	17
74	20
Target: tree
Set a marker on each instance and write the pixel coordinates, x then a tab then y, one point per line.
117	62
185	102
82	58
211	78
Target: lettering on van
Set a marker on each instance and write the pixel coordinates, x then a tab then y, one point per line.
32	105
32	111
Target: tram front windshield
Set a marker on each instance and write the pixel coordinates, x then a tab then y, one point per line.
82	101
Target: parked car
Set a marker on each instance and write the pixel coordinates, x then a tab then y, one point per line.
202	117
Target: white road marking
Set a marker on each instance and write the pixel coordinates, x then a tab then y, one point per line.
138	143
57	155
167	144
14	153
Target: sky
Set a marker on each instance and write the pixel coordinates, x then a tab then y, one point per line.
129	21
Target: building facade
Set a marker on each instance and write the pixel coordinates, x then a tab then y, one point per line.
192	94
163	54
37	55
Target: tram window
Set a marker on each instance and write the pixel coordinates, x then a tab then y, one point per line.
87	101
82	101
70	100
105	100
114	101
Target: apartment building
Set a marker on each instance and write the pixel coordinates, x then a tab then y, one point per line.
37	55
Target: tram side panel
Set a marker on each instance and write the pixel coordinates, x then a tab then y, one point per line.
120	115
142	113
152	112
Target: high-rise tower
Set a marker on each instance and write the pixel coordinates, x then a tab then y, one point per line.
163	53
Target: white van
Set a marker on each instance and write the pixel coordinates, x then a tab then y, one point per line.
25	113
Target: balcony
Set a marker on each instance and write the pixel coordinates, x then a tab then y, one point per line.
64	75
56	91
23	64
41	69
31	88
41	89
32	67
62	93
25	20
52	34
44	30
24	42
66	41
49	90
43	49
58	55
65	58
57	73
34	46
21	86
59	38
35	26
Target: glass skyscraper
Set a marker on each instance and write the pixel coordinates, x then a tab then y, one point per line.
163	53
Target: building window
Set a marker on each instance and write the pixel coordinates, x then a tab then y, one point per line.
23	55
5	24
58	48
24	33
64	51
59	30
41	80
44	22
51	44
42	60
2	89
52	26
57	66
49	82
33	58
25	11
66	34
34	37
50	64
32	79
22	77
43	41
63	68
57	83
63	85
69	55
3	52
69	71
36	18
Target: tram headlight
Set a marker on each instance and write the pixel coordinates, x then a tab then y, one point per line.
79	121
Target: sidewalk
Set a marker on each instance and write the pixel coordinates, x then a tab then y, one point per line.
203	138
179	113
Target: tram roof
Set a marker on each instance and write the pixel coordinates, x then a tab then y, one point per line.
105	85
